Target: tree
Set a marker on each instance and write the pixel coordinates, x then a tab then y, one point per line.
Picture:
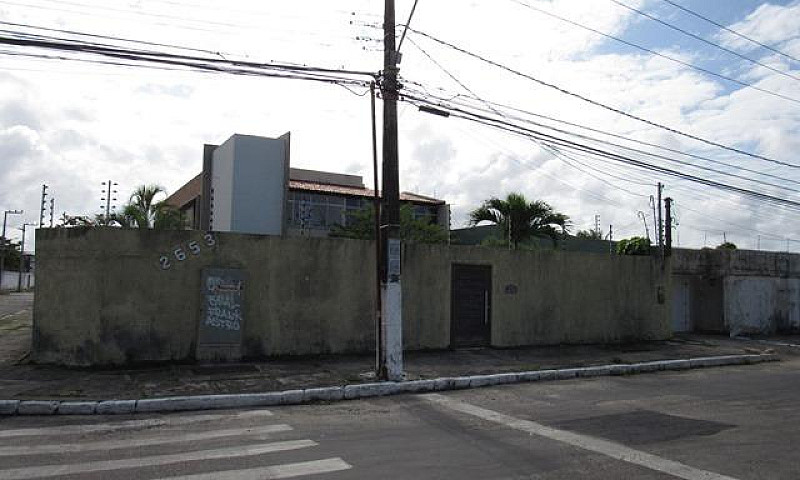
726	246
634	246
590	234
143	211
361	225
521	219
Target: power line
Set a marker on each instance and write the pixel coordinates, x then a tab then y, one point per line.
600	104
701	39
553	151
730	30
106	37
658	54
640	142
654	155
557	152
553	140
169	58
453	99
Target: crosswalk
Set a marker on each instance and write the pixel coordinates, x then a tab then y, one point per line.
240	445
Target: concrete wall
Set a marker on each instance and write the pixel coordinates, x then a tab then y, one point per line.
104	298
762	305
741	291
560	297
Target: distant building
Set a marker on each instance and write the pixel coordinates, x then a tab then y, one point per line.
248	186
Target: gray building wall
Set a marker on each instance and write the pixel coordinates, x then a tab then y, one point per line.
104	298
249	184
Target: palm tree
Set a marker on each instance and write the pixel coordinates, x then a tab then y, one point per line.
521	219
142	211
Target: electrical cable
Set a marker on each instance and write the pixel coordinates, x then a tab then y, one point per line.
734	32
661	157
553	140
629	139
164	57
658	54
600	104
701	39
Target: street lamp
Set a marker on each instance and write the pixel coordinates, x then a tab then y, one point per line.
3	240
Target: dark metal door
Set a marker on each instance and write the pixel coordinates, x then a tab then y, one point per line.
471	302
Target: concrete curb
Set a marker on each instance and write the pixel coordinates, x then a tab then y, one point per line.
362	390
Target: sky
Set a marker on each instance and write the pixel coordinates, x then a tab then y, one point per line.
74	125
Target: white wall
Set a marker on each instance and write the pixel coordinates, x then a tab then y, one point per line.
10	280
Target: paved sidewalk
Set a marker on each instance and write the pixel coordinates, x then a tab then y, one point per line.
25	381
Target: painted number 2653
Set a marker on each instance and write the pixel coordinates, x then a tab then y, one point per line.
179	253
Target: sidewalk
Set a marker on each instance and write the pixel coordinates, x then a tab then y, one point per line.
21	380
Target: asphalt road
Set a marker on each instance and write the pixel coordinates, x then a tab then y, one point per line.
732	422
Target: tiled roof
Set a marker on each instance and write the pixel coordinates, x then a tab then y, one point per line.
299	185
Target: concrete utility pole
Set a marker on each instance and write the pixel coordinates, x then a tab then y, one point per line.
5	242
377	214
52	206
42	209
668	232
660	222
597	224
391	365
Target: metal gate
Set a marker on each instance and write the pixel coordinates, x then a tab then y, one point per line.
681	307
471	304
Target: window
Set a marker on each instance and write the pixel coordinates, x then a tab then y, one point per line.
317	211
426	213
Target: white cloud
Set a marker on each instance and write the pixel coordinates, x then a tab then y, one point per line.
74	125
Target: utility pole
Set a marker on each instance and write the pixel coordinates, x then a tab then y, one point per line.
660	222
377	213
597	224
611	239
391	365
42	209
668	232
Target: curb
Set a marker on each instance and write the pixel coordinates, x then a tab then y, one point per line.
362	390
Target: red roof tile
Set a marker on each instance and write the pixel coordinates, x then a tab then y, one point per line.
299	185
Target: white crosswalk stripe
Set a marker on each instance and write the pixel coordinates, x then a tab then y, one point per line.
177	437
288	470
130	424
175	445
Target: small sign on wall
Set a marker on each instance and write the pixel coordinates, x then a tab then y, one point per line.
219	335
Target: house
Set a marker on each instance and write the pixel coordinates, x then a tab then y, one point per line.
248	186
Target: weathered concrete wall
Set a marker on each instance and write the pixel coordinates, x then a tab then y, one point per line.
103	297
741	291
562	297
712	262
762	305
